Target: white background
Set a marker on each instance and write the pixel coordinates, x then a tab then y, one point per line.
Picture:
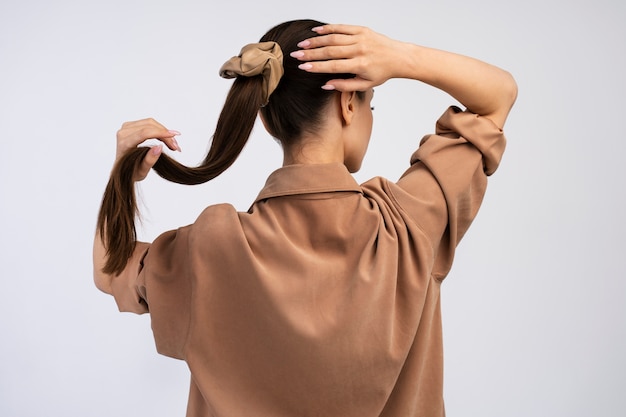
535	308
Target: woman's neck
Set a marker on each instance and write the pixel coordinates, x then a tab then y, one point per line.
315	149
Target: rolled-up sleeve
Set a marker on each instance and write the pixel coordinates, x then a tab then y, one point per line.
165	283
445	185
157	280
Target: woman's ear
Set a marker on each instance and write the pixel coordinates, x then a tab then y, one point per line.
346	100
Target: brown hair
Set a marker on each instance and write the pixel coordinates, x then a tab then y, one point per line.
294	108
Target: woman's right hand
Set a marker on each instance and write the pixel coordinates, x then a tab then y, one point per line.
136	132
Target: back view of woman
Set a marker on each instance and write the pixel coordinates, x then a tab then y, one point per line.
323	298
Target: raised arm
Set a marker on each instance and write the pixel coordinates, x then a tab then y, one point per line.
482	88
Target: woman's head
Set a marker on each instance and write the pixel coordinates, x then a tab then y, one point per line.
297	105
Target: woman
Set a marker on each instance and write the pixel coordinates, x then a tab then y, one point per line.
323	298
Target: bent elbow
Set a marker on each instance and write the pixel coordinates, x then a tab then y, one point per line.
102	280
506	96
510	90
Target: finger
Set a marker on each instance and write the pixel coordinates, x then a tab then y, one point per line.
351	84
338	28
326	53
138	133
148	162
327	40
147	129
141	122
335	66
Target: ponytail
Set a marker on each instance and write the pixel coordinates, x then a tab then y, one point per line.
116	219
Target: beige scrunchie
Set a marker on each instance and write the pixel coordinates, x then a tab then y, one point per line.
264	58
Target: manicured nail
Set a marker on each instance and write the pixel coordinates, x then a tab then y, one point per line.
317	28
297	54
305	66
156	150
174	132
176	145
328	87
304	44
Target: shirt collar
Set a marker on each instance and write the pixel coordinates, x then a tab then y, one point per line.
308	179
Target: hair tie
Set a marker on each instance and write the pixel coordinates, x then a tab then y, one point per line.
264	58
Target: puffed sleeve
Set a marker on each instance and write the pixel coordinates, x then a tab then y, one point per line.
445	185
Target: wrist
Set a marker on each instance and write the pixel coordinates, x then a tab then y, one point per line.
404	60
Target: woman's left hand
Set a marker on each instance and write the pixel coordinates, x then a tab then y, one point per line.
372	57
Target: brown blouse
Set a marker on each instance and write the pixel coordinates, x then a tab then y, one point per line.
323	298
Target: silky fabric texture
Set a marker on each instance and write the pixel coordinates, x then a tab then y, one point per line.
324	298
263	58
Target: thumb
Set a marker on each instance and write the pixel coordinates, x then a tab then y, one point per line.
148	162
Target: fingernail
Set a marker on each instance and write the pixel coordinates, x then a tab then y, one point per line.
156	150
328	87
303	44
174	132
297	54
317	28
176	145
305	66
